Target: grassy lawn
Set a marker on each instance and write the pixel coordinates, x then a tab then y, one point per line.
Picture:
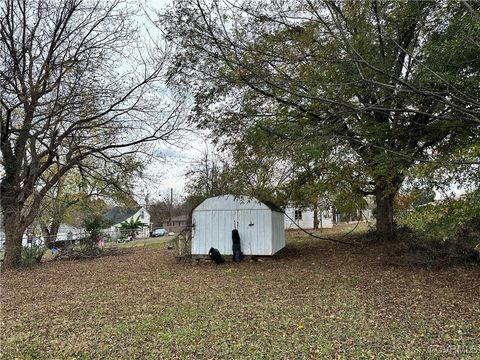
314	300
156	242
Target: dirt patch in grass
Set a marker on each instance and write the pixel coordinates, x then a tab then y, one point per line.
314	300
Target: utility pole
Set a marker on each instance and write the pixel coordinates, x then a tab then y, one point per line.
170	206
146	200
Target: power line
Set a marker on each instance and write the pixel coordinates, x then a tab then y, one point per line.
324	237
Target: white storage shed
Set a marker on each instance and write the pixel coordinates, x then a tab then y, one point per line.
260	226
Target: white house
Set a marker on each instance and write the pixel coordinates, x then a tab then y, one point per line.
118	215
305	218
364	215
260	226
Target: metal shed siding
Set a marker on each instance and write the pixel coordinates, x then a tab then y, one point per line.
215	218
255	238
212	229
278	240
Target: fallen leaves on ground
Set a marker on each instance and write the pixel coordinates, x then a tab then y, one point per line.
314	300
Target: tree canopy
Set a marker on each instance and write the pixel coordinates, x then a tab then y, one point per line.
373	88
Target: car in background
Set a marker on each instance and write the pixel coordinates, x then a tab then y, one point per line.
158	232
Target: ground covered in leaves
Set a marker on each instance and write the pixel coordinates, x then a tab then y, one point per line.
315	300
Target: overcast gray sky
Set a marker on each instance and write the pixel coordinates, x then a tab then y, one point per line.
162	175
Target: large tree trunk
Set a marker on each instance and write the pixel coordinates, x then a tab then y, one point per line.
384	201
15	223
45	233
54	230
13	242
50	234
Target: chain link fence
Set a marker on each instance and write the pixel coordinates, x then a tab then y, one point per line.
71	238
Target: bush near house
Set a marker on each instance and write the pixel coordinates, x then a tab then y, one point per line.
448	232
88	246
446	220
32	254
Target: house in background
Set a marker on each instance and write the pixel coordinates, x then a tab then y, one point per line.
363	215
70	232
326	218
305	218
176	224
120	214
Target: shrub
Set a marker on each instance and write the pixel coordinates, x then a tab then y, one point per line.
31	254
441	234
88	246
94	228
452	219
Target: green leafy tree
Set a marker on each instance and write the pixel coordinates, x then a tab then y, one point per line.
79	194
384	84
422	197
132	226
94	225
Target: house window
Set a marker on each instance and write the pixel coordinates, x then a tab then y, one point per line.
142	214
298	215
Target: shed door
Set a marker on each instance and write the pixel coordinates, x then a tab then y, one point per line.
254	227
213	228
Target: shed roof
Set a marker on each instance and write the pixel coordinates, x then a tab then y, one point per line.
273	206
232	202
